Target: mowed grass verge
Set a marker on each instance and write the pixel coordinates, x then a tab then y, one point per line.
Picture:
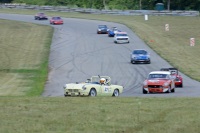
24	50
173	45
99	115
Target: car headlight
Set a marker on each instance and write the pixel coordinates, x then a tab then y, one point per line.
145	83
99	29
166	84
65	86
84	88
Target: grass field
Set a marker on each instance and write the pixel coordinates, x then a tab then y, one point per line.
23	71
24	58
99	115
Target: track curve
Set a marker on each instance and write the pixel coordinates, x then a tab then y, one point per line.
77	53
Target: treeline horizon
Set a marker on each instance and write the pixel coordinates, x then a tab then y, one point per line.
116	4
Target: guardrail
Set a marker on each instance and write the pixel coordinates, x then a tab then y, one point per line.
96	11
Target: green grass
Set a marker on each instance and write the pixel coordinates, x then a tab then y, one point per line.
23	72
99	115
24	58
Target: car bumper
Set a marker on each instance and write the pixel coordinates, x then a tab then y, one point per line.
122	41
156	90
140	60
102	32
76	94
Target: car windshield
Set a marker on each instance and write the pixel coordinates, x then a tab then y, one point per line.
140	52
102	26
122	34
158	76
173	71
56	18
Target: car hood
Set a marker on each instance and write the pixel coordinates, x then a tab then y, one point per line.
77	85
157	81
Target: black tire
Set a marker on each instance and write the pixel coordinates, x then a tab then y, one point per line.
93	92
169	89
144	91
181	85
173	90
116	93
149	62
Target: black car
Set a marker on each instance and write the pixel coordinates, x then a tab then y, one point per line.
41	16
102	29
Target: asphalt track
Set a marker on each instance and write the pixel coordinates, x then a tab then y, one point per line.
77	53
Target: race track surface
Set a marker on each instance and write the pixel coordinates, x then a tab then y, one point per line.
78	52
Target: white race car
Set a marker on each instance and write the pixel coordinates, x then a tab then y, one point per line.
121	37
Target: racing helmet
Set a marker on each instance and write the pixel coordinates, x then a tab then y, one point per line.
102	81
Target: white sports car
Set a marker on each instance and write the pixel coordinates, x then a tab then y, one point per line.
121	37
95	86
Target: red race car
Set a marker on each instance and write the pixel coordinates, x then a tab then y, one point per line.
159	82
56	20
176	75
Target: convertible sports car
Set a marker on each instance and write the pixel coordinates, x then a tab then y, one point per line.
56	20
159	82
102	29
113	31
121	37
174	73
40	16
140	56
95	86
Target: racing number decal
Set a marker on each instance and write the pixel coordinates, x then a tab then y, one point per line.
106	89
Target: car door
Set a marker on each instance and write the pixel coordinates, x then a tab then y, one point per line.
106	90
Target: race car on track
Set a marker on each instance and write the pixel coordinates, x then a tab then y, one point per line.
40	16
95	86
113	31
159	82
56	20
140	56
175	74
102	29
121	37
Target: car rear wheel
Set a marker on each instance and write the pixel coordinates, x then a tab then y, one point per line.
93	92
173	90
181	85
116	93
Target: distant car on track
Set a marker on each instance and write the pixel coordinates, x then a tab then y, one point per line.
56	20
95	86
102	29
140	56
40	16
175	74
121	37
113	31
159	82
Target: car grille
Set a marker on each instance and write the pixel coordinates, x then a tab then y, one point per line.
122	38
154	86
73	90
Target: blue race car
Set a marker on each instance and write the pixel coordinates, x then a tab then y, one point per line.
113	31
140	56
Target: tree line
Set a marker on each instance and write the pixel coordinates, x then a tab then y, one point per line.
116	4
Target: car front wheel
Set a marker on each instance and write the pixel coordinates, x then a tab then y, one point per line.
116	93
